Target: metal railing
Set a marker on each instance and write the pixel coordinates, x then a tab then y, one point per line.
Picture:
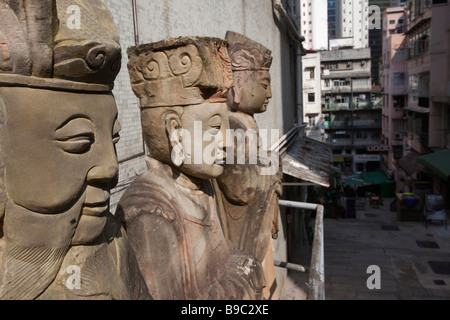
316	282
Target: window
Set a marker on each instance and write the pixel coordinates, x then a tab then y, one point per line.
311	97
312	121
419	44
399	78
391	21
413	88
399	55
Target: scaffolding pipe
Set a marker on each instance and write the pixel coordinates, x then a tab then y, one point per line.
316	286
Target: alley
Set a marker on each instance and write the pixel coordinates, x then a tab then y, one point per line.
414	260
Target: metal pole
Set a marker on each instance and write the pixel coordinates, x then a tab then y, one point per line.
316	285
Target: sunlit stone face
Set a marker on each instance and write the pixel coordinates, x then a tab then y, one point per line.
204	151
255	92
59	149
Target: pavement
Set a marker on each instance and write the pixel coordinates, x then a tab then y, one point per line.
412	260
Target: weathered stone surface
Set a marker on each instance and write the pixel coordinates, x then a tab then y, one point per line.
58	126
170	212
249	199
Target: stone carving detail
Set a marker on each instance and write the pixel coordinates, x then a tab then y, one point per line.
58	127
248	198
170	211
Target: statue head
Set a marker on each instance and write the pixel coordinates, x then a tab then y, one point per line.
250	63
182	85
58	125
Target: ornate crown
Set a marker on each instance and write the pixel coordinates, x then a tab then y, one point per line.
40	46
247	54
180	72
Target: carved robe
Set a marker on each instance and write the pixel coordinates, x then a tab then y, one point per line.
248	203
175	231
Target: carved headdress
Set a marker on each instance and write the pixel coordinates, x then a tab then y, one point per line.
180	72
247	54
42	47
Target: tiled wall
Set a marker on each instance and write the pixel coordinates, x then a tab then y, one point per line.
130	149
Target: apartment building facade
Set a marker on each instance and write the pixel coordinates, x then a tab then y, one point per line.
352	118
395	89
417	114
314	27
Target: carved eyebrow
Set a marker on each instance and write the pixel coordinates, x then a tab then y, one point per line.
75	127
71	118
216	117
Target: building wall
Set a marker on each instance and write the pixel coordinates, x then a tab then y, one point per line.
312	110
394	63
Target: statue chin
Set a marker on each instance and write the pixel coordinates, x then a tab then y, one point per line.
89	228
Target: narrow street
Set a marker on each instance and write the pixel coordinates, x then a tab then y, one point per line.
414	260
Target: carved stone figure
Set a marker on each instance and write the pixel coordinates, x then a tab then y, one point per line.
58	127
248	196
170	211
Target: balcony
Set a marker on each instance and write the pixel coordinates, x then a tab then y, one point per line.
346	106
357	124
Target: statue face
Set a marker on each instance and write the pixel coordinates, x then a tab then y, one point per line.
207	125
255	92
60	149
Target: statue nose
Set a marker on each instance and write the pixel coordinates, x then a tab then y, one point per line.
103	174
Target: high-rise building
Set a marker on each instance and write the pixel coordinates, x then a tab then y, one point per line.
314	24
349	20
376	38
332	19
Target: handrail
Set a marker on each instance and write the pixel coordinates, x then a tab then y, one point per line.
316	285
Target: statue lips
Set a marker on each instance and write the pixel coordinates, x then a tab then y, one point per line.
96	203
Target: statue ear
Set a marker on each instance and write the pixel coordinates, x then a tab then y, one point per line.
173	131
235	93
237	89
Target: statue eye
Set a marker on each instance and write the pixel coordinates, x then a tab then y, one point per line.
214	125
75	136
116	130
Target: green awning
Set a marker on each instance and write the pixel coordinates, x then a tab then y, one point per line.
387	187
377	177
437	162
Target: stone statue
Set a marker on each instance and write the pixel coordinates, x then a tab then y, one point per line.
58	127
170	211
249	197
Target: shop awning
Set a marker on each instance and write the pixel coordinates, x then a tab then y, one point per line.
438	163
376	177
308	160
355	179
